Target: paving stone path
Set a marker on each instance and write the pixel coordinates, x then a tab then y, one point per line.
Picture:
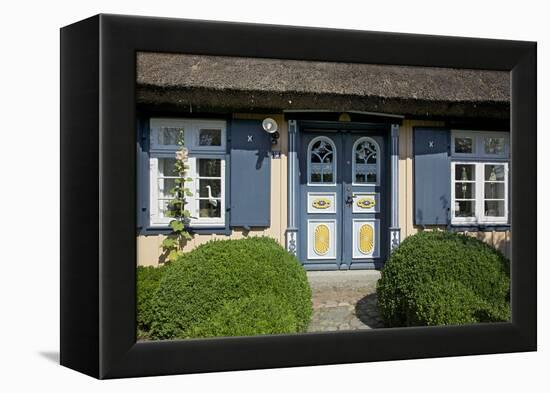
344	300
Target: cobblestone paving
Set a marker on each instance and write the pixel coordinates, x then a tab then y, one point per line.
344	300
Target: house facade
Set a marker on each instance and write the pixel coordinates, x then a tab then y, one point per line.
337	162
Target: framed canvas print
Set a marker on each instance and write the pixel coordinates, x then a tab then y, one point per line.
239	196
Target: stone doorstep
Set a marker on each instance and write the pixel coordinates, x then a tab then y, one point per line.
343	280
335	297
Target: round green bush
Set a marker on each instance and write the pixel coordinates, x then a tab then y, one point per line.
147	282
232	288
444	278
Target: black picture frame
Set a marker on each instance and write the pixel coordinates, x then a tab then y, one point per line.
98	196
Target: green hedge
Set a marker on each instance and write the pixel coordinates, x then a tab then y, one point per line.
147	282
444	278
232	288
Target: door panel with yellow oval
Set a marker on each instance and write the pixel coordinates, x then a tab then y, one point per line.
365	238
322	239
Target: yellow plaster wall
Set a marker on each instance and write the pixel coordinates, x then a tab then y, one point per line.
499	240
149	247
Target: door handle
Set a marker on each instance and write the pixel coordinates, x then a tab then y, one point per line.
349	200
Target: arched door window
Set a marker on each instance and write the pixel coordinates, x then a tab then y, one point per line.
321	161
366	163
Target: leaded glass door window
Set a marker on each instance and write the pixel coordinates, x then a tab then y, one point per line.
366	163
322	161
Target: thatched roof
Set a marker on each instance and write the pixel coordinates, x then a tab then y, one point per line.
254	84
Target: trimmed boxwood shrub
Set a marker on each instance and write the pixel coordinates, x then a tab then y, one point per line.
260	314
147	282
232	288
444	278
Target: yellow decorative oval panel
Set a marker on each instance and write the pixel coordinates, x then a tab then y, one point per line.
366	239
366	203
321	203
322	239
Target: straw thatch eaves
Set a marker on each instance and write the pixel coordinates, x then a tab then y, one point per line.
229	84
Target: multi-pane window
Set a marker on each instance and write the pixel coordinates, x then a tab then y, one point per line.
479	192
205	142
165	183
494	186
479	185
209	186
465	190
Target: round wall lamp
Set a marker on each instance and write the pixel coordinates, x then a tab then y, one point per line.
270	126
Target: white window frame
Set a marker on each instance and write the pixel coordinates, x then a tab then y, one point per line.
479	144
378	158
334	161
191	129
194	204
480	218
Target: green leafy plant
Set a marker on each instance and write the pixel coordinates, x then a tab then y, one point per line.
444	278
147	282
231	288
173	244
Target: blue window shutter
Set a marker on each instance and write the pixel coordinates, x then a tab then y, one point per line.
250	156
142	161
432	176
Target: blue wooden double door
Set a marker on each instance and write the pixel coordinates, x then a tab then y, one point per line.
343	199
